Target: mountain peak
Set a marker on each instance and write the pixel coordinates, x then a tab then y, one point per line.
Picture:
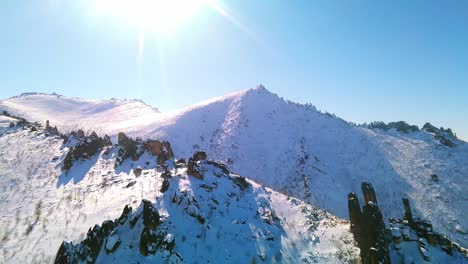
259	89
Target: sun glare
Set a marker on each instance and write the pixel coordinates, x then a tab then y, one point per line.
159	16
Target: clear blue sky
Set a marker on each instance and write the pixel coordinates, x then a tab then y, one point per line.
362	60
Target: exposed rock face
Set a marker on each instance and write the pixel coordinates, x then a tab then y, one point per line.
83	147
445	136
164	186
368	192
128	145
135	148
88	249
199	155
375	240
420	232
150	215
368	226
193	166
408	214
162	150
50	129
104	239
355	214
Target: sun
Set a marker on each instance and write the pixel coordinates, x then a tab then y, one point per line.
158	16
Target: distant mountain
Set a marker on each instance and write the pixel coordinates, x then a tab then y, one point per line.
70	113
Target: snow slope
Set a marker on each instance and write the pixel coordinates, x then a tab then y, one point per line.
300	151
69	113
41	206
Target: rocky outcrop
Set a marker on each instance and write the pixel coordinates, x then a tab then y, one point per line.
194	167
128	145
375	240
162	150
368	226
420	231
105	239
83	147
444	136
131	148
50	129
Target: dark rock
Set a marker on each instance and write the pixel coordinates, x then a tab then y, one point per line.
162	150
64	255
128	144
193	169
368	226
123	217
354	212
164	186
408	214
220	166
199	155
85	147
80	133
68	161
240	182
150	215
137	171
368	192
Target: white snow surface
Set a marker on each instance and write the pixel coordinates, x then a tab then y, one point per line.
291	148
41	206
70	113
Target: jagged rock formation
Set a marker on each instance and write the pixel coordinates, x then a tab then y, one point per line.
82	146
105	238
162	150
191	218
193	165
135	148
445	136
368	226
401	126
381	245
21	122
420	233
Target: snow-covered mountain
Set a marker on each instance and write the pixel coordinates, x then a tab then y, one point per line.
69	113
220	218
293	149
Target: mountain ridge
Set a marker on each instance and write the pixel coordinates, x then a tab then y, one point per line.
319	158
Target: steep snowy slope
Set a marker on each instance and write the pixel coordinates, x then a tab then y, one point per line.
300	151
68	113
218	219
320	158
